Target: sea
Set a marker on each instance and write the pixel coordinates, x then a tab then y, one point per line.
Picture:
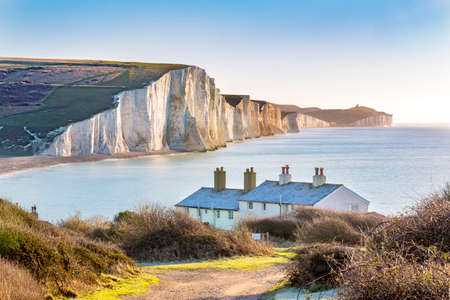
392	167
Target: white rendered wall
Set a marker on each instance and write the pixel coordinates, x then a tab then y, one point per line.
210	216
344	200
272	210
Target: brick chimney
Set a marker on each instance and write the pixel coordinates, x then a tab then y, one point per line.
319	178
285	177
219	179
249	180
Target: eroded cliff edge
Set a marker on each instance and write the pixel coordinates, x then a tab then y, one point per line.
182	111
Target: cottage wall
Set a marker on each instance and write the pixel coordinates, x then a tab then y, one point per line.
211	217
344	199
272	210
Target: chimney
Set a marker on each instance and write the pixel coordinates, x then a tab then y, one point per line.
285	177
219	179
249	180
319	179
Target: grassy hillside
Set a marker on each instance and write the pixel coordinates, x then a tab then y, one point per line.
44	95
61	261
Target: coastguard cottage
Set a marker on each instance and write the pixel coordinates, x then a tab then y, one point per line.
223	207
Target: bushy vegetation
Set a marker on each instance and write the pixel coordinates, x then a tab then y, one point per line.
317	266
16	283
311	225
153	233
61	260
406	257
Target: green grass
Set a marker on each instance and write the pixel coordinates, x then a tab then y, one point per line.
117	288
69	103
282	256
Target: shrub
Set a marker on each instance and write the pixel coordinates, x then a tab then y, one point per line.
153	233
318	266
425	225
328	230
280	228
389	275
312	225
16	283
406	258
60	259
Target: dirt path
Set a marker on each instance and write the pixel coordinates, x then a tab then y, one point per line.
213	284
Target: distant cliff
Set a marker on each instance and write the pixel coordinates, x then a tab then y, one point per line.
181	111
358	116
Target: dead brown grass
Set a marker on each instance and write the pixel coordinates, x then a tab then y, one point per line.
406	258
152	233
312	225
16	283
318	266
60	259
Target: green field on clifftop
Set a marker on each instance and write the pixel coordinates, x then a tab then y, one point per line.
43	95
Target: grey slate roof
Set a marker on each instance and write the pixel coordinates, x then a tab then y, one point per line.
208	198
291	193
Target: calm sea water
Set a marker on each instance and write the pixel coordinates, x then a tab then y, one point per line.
391	167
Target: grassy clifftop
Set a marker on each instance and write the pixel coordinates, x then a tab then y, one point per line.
43	95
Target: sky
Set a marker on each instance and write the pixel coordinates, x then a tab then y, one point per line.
393	55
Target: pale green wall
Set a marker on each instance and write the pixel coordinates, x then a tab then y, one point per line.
210	216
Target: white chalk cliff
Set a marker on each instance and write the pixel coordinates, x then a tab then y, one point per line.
181	111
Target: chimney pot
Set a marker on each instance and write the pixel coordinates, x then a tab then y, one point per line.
251	169
317	171
282	170
287	169
321	171
246	170
221	168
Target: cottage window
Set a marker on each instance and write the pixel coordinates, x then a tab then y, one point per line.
250	205
354	207
206	211
218	214
230	215
186	210
264	206
199	212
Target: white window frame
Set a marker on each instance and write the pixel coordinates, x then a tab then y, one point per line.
264	207
250	205
230	215
218	214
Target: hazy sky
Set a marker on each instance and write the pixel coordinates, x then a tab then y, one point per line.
393	55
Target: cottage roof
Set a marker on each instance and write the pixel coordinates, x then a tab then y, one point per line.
208	198
302	193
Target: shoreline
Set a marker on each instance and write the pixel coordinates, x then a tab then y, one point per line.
10	165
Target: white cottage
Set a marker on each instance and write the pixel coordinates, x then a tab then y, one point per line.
223	208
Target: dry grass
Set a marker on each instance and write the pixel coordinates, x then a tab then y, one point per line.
318	266
403	258
389	275
60	259
16	283
406	258
152	233
312	225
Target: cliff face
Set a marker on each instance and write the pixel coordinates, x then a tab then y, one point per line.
181	111
380	120
294	122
